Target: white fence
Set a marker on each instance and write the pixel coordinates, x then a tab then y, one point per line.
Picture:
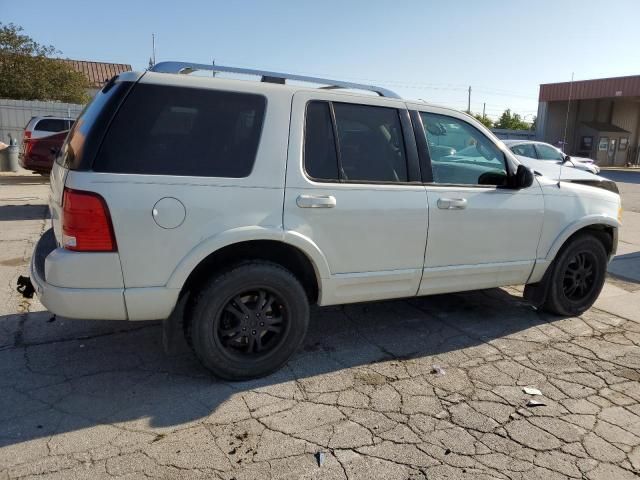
15	114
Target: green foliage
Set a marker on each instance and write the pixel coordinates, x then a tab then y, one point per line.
28	73
511	121
483	120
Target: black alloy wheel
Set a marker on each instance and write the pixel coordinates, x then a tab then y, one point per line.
251	323
580	276
247	321
574	280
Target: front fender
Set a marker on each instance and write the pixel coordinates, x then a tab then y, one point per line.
589	220
244	234
543	262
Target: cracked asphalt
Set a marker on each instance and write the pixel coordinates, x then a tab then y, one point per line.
93	400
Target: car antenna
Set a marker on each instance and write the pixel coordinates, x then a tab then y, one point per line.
566	124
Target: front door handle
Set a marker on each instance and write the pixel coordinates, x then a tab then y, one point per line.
316	201
452	203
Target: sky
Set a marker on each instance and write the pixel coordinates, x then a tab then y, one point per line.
422	49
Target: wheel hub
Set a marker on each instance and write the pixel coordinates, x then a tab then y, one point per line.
252	322
579	278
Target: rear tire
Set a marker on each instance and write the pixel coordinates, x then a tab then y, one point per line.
248	321
577	276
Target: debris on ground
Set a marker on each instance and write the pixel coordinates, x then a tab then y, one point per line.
320	458
438	370
531	391
535	403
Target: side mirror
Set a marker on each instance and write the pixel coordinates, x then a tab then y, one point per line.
567	158
523	178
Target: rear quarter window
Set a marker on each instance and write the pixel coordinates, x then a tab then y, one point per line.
164	130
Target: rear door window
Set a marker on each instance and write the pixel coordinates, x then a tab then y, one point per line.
320	155
369	146
162	130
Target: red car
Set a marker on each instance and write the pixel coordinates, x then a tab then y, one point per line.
38	154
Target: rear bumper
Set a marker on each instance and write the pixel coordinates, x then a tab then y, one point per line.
35	163
81	303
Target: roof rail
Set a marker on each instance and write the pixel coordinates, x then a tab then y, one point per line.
273	77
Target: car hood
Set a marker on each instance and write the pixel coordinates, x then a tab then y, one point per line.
554	171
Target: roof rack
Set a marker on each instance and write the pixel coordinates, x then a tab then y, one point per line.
272	77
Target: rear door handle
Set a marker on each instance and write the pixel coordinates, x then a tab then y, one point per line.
452	203
316	201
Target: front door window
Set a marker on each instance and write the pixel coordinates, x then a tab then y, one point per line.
461	154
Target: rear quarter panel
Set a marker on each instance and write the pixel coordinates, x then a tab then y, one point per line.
149	254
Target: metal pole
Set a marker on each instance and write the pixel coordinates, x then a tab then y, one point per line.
484	106
566	120
469	102
566	124
153	47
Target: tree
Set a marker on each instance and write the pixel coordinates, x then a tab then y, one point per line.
534	123
483	120
27	71
511	121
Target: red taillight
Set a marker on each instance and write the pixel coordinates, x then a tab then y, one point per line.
27	135
86	223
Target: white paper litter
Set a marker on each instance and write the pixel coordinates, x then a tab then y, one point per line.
531	391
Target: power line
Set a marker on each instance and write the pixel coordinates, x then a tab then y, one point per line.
418	85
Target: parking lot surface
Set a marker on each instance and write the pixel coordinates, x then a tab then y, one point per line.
429	387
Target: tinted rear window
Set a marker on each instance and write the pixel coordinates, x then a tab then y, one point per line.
161	130
87	131
52	125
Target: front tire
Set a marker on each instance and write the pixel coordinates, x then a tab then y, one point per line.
247	322
577	276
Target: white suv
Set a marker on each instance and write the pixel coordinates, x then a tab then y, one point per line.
229	206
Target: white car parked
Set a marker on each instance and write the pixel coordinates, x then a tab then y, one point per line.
43	126
548	153
227	207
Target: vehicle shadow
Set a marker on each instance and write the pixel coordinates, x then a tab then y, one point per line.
24	179
60	376
23	212
621	176
626	267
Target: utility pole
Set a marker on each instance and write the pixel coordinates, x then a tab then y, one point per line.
484	106
469	102
213	64
153	48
